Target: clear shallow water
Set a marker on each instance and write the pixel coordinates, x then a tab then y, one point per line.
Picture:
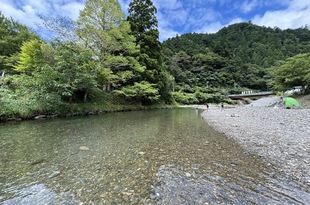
144	157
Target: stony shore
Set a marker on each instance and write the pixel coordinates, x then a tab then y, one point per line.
280	137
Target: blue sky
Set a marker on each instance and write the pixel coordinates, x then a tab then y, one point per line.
178	16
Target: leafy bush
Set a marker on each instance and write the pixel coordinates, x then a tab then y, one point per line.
216	98
143	92
201	97
184	98
12	106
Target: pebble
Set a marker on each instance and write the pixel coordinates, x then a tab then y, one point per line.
54	174
84	148
280	136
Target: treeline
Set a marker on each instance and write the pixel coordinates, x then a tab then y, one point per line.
106	61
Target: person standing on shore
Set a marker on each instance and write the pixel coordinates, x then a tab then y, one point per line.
222	106
207	107
281	103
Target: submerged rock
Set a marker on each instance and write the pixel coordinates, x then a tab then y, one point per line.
84	148
54	174
38	161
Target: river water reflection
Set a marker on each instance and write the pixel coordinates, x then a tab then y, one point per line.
144	157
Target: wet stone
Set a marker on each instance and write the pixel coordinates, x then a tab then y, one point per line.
54	174
83	148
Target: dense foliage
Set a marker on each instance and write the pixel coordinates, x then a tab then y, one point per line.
12	36
105	61
144	27
295	71
237	58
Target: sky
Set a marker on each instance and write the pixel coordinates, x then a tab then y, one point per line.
176	17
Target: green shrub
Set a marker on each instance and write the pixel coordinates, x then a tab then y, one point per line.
185	98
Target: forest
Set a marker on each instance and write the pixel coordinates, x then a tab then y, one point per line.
106	61
240	57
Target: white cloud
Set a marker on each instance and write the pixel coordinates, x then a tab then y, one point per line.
215	26
177	16
167	33
26	15
210	27
72	9
299	5
296	13
39	5
202	20
249	5
295	16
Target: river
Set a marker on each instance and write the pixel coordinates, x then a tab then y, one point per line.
164	156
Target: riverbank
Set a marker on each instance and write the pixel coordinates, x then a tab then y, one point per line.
281	137
80	109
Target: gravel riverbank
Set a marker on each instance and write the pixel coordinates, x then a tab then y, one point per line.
281	137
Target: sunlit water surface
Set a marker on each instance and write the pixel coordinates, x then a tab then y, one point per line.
165	156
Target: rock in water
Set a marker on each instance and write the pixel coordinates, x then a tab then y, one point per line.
39	117
54	174
38	161
84	148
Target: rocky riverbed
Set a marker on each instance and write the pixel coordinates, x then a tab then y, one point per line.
281	137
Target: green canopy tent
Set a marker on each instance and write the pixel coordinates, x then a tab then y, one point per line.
290	103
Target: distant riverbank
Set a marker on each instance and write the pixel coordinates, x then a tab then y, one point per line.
281	137
81	109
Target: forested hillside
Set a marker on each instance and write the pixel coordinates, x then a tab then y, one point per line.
236	58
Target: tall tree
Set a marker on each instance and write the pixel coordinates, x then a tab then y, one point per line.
98	17
102	27
144	26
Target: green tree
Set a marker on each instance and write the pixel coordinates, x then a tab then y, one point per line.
98	17
294	72
32	56
121	60
103	29
64	72
73	75
144	26
12	36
